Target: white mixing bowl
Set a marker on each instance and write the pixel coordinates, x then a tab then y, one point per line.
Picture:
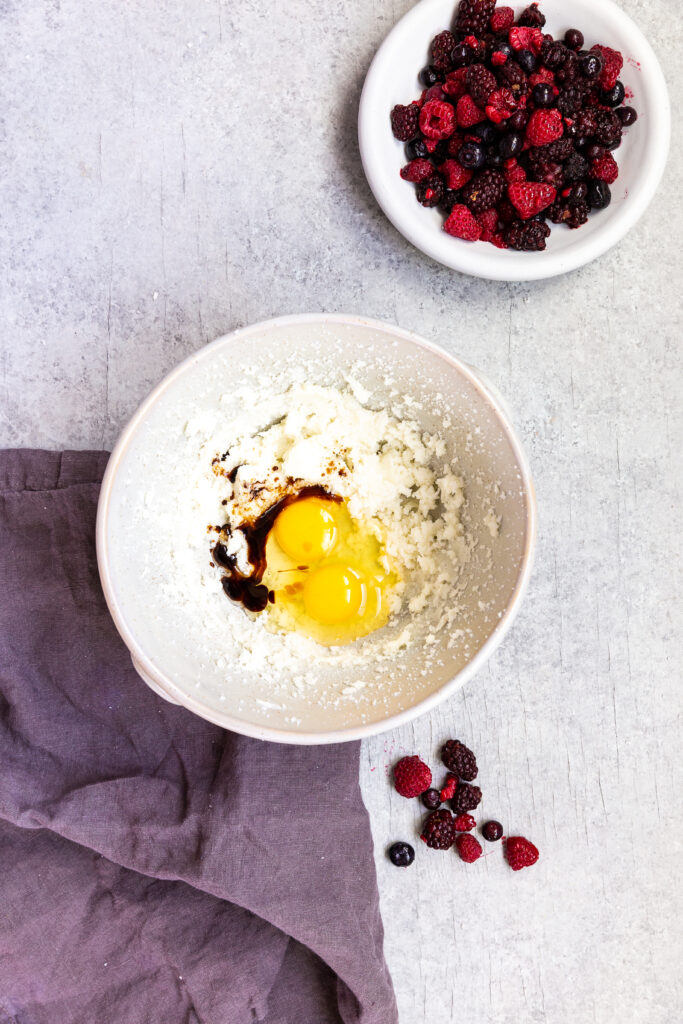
489	458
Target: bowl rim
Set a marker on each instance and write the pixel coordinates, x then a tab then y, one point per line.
498	264
166	688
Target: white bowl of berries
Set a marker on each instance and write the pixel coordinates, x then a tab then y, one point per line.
533	136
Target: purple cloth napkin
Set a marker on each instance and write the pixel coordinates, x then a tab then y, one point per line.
153	867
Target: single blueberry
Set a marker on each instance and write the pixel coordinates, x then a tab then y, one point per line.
613	97
429	76
543	95
527	61
401	854
511	144
599	195
472	155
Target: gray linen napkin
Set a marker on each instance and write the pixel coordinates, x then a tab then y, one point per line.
153	867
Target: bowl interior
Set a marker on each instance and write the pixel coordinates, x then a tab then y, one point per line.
139	513
642	156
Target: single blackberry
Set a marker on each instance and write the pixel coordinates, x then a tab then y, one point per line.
511	76
405	121
573	39
571	214
483	192
627	116
585	125
526	237
466	798
429	76
431	798
560	150
575	168
416	150
571	100
549	172
599	196
458	758
532	17
492	831
608	132
480	83
401	854
555	57
438	831
430	192
473	16
570	71
441	49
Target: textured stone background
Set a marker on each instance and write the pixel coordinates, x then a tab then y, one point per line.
171	171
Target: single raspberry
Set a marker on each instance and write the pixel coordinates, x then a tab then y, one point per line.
613	63
605	169
571	214
466	798
454	143
459	759
405	121
430	193
530	197
524	38
514	173
462	223
544	126
526	237
437	120
454	174
468	113
448	791
456	83
499	241
438	831
484	191
544	76
488	222
417	170
532	17
469	849
480	83
411	776
441	49
464	822
474	15
502	19
520	852
498	59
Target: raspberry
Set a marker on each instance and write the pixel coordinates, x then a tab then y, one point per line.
571	214
502	19
605	169
430	193
523	38
483	192
411	776
462	224
526	237
454	143
441	49
613	63
530	197
473	16
469	849
488	222
498	59
542	76
455	84
501	106
405	121
438	831
480	83
468	113
464	822
448	791
454	174
466	798
544	126
460	760
514	173
417	170
437	120
532	17
520	852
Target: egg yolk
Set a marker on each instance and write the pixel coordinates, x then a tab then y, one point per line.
306	530
334	593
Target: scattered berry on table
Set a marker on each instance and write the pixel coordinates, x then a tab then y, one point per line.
401	854
448	790
460	760
438	831
411	776
520	852
464	823
431	798
466	798
492	831
469	849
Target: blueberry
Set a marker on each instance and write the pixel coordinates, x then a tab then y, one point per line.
431	798
416	150
461	55
543	95
429	76
599	195
401	854
510	145
492	831
527	61
577	193
611	146
573	39
518	121
484	131
472	156
627	116
591	65
493	157
613	97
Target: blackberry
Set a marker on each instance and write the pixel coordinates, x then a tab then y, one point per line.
586	124
556	56
416	150
570	70
549	172
527	61
480	83
599	196
575	168
430	192
560	150
438	831
627	116
511	76
441	49
608	130
532	17
573	39
483	192
613	97
526	237
405	121
570	101
458	758
431	798
492	831
473	16
467	797
401	854
429	76
571	214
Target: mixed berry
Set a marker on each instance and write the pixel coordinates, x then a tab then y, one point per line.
514	128
443	828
